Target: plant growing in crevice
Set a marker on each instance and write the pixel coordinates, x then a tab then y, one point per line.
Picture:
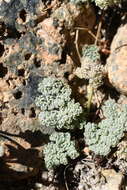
59	150
90	69
102	4
58	109
108	132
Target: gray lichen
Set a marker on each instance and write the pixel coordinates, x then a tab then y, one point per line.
9	10
26	45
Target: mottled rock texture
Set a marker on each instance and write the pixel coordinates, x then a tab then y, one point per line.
117	61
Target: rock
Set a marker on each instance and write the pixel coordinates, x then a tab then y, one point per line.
20	160
113	180
95	178
117	61
5	92
1	150
89	175
52	41
68	14
38	186
121	156
11	10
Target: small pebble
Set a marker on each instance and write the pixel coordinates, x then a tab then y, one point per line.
44	175
1	150
38	186
7	1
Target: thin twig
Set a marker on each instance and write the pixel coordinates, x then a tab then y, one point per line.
98	104
89	31
65	181
98	32
99	28
97	99
76	44
89	95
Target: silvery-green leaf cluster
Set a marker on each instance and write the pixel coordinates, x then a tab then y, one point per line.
59	149
53	94
80	1
91	52
58	109
107	133
103	4
91	69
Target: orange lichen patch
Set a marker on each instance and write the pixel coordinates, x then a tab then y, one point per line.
15	122
10	123
47	57
52	41
47	31
15	81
